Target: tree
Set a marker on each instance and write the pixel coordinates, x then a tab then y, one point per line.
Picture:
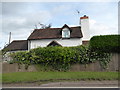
43	26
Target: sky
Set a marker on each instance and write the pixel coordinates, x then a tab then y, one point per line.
20	18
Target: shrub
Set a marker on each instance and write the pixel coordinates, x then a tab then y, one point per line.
11	62
105	43
22	58
81	54
60	58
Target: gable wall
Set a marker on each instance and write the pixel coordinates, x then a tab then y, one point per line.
64	42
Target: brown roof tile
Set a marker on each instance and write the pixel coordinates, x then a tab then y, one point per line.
17	45
54	33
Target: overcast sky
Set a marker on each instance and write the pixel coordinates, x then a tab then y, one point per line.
19	18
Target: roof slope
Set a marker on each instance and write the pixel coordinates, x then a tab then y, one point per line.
17	45
51	33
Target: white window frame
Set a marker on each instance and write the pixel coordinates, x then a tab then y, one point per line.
65	33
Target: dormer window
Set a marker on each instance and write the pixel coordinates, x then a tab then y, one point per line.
65	33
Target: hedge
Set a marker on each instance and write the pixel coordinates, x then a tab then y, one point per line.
105	43
57	57
60	58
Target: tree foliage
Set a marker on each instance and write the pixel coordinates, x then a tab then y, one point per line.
43	26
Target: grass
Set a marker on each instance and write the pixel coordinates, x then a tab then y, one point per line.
54	76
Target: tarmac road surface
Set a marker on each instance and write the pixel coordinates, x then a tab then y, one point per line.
66	84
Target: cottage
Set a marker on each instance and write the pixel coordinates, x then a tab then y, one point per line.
65	36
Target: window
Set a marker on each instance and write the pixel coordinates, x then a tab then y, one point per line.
65	33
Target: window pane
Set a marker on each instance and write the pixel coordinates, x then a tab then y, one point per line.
66	33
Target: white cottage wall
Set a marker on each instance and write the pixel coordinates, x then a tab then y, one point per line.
64	42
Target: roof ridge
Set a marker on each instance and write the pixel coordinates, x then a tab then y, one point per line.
47	28
75	26
19	40
57	28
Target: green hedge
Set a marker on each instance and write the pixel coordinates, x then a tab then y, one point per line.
60	58
23	57
57	57
105	43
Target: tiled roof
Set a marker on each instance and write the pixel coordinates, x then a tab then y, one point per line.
54	33
17	45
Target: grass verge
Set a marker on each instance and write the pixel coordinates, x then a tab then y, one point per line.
55	76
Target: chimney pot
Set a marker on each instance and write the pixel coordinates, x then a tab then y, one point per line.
84	17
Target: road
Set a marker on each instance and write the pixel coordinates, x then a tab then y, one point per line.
66	84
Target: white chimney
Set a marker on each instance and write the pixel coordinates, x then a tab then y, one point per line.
84	21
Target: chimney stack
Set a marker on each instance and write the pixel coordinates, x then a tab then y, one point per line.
84	21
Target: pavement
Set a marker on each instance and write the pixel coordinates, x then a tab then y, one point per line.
66	84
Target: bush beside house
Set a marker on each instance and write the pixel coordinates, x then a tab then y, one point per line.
105	43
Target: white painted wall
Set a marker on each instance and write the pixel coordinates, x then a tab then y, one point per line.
64	42
85	29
